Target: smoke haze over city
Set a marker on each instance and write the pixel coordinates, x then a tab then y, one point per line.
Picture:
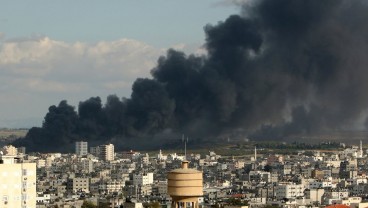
278	68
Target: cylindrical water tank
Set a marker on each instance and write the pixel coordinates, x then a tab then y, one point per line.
185	182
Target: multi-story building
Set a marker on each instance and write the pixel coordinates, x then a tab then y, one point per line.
95	151
41	163
162	187
259	176
78	185
318	174
81	148
87	166
94	185
142	179
107	152
334	194
17	183
315	194
289	191
111	186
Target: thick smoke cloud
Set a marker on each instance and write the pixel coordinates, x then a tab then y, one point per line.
282	67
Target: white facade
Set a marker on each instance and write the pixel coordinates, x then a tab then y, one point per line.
321	184
107	152
315	195
75	185
81	148
289	191
332	195
143	179
17	183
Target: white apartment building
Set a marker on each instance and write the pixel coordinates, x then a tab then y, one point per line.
142	179
81	148
107	152
289	191
17	183
315	195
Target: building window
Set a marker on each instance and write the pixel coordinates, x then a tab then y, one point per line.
24	197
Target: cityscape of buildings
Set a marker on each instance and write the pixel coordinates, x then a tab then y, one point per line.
259	84
105	178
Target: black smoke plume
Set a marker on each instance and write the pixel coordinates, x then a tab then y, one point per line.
282	67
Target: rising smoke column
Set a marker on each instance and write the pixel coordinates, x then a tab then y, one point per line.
295	66
281	67
320	48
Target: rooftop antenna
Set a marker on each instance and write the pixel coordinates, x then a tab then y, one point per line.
185	146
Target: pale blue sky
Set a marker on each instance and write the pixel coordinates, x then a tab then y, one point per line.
160	23
74	49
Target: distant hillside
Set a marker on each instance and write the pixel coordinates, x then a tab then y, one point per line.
9	135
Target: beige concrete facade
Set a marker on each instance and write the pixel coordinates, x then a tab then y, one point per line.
9	150
107	152
75	185
17	183
185	186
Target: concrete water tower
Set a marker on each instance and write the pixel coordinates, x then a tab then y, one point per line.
185	186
